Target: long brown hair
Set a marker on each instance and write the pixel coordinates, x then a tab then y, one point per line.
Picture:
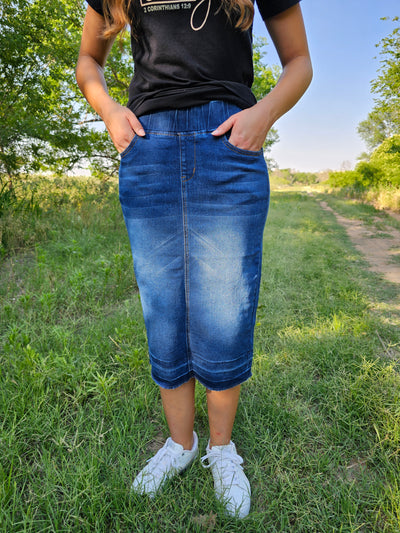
120	13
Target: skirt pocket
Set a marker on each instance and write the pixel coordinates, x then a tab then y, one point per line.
251	153
128	149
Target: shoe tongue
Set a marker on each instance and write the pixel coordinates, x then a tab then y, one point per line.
174	446
225	447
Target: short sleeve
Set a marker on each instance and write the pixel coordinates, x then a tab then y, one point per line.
97	5
270	8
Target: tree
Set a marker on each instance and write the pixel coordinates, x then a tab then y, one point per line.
45	121
387	84
38	107
380	125
384	119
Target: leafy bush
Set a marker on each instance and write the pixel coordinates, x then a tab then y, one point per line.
305	177
296	177
370	174
347	178
387	158
364	176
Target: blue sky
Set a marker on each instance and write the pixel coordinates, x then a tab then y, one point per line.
321	131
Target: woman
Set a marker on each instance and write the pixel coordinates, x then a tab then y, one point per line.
194	193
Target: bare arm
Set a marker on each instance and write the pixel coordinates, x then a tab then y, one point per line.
250	126
121	123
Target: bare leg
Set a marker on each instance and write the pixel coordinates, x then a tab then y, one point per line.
179	410
222	406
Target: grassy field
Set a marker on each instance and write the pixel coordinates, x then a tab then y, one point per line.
318	424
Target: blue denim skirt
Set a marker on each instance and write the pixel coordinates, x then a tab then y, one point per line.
195	207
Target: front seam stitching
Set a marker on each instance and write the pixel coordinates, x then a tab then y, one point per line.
186	257
194	159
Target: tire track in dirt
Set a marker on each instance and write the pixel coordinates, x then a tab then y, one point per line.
380	252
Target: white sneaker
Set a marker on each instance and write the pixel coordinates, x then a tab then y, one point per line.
231	485
170	460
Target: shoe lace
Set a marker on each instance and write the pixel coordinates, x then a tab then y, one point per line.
163	460
227	463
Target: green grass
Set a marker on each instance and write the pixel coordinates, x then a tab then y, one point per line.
318	424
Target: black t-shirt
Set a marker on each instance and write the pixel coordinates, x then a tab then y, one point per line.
189	53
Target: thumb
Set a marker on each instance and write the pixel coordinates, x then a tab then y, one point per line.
224	127
136	125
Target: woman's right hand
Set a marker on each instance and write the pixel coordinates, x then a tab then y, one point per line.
122	125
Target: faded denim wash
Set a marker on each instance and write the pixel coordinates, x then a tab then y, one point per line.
195	207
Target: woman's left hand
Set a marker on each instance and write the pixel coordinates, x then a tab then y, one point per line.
249	129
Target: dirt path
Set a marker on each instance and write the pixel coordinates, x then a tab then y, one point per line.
380	251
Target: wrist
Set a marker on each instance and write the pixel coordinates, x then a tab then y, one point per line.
107	108
266	111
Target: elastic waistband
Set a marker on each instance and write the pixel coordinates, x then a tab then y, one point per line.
199	118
